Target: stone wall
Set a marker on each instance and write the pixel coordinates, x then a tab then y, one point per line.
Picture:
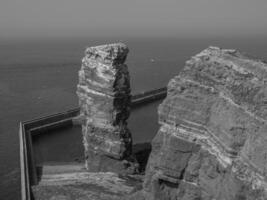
212	144
104	97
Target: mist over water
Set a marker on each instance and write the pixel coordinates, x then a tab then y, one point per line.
39	77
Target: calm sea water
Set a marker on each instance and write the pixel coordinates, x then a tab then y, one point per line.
39	78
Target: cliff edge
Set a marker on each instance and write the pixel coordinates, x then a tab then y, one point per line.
212	143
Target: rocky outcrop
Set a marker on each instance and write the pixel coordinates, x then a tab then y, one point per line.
83	185
212	144
104	98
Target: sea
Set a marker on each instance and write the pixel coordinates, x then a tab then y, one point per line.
38	77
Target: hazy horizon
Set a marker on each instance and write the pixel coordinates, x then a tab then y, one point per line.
121	18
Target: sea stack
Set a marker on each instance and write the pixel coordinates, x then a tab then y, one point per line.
212	143
104	97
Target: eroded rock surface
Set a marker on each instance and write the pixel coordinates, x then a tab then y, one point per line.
212	144
104	98
73	182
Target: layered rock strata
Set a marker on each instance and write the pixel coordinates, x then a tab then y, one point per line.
212	144
104	98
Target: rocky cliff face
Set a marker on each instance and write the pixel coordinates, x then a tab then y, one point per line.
212	144
104	98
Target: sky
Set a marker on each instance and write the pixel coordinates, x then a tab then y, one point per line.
133	18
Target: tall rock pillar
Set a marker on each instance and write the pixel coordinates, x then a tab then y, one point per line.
104	97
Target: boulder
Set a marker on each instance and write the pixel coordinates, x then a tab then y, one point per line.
212	143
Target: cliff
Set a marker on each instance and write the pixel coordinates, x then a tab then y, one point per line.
212	143
104	98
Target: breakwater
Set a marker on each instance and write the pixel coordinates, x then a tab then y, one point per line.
148	96
44	124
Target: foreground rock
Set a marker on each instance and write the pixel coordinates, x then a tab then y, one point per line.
104	97
72	182
212	143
